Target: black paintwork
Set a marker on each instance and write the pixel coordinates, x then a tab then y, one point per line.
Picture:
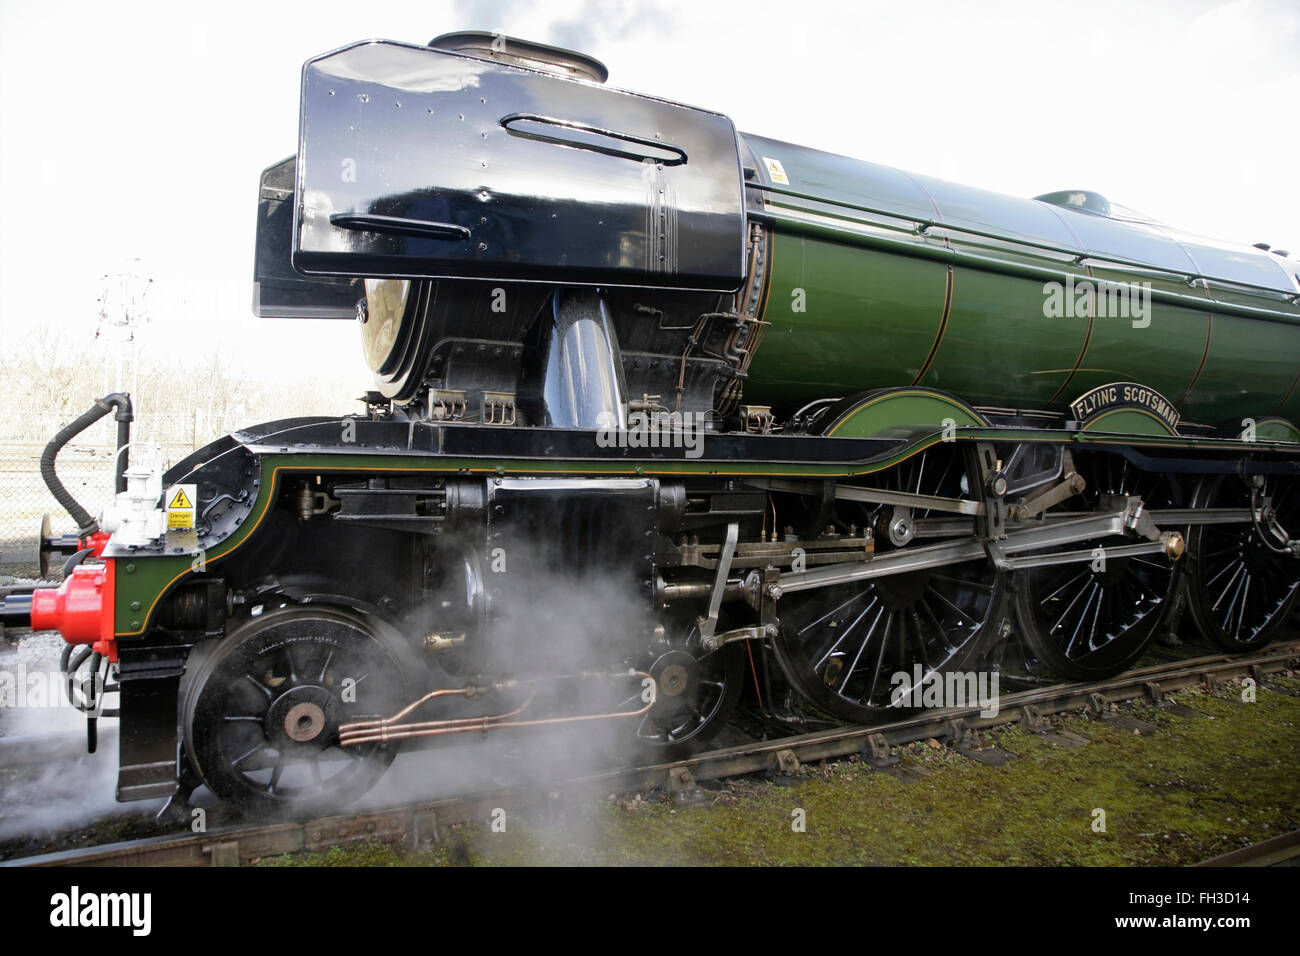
278	291
555	180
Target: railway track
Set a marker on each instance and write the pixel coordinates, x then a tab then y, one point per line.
1282	850
419	824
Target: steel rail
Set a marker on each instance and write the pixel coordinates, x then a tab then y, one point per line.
1274	852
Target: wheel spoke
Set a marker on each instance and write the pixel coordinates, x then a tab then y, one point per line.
880	656
939	629
1083	616
1241	616
1078	577
961	615
919	638
1096	615
324	668
838	644
1241	567
289	663
1242	591
962	582
844	633
258	748
1056	623
1238	564
269	694
832	612
1150	564
276	773
1235	549
848	671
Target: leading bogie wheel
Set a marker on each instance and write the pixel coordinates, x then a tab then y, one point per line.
261	709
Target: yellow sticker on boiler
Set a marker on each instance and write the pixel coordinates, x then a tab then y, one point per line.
776	171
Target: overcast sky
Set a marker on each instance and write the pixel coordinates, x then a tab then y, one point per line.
133	131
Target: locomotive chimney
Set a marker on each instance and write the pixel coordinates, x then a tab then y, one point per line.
516	52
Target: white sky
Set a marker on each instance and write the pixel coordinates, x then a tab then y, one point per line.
137	131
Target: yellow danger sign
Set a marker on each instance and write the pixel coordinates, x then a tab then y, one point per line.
180	507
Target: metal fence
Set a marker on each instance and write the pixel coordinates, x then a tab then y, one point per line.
85	467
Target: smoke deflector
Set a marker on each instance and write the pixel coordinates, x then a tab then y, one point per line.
416	162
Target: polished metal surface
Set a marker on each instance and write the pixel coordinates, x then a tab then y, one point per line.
972	549
710	623
419	162
583	378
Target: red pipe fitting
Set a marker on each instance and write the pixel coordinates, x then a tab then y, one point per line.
81	608
96	543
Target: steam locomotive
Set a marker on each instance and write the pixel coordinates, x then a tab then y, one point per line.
663	413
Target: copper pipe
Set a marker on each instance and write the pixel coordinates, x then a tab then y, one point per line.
367	724
352	734
484	724
387	729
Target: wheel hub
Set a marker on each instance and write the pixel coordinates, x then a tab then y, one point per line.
304	722
675	675
300	716
673	680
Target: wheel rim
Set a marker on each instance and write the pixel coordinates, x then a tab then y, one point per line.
1093	619
263	709
844	646
1242	592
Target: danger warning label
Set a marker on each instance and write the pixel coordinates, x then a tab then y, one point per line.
180	508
